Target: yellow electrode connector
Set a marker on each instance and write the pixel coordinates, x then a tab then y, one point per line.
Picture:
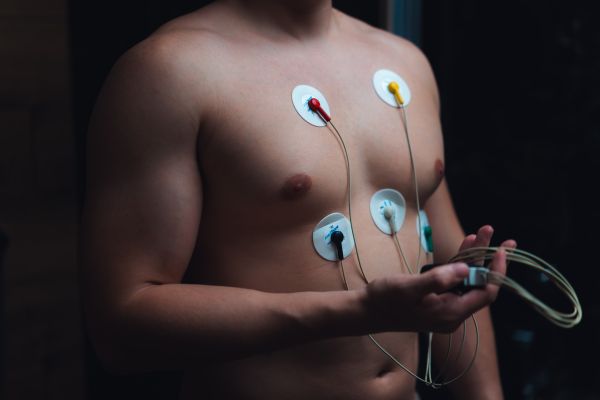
395	90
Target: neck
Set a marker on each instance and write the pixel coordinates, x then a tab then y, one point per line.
304	19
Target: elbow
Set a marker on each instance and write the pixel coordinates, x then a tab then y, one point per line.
114	343
115	332
112	351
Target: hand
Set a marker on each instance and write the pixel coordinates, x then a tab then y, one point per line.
423	302
483	239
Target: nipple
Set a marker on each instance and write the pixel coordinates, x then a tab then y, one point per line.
439	169
296	186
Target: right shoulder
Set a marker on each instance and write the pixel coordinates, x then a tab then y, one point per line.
192	40
174	61
172	69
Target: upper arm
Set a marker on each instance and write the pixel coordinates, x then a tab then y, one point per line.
143	188
446	228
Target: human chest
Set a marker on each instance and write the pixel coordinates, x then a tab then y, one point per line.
261	147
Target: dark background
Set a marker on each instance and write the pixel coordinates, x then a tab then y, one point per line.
519	88
520	104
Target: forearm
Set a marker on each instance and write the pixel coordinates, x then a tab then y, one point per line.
482	381
173	326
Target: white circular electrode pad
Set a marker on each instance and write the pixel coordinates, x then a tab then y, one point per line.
300	97
381	80
421	232
322	236
392	199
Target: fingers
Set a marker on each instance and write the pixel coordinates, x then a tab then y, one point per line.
474	300
483	239
498	263
509	244
437	284
461	307
467	242
443	278
484	236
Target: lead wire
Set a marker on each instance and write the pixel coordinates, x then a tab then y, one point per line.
349	195
428	380
428	367
562	319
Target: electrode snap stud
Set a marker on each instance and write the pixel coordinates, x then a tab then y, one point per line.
388	209
381	82
301	98
328	234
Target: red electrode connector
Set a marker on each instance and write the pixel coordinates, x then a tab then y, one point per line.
315	105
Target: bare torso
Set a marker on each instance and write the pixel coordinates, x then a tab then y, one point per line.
268	177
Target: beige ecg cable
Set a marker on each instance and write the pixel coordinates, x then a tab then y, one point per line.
471	255
427	380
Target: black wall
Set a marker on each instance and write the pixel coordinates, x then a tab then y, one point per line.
520	104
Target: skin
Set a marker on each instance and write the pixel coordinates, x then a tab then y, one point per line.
204	187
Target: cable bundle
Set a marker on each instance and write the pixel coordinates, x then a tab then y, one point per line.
471	255
562	319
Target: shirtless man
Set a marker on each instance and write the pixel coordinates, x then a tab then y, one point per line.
205	185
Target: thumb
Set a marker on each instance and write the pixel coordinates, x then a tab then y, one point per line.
443	278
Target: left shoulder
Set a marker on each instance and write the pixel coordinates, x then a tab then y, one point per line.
399	50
